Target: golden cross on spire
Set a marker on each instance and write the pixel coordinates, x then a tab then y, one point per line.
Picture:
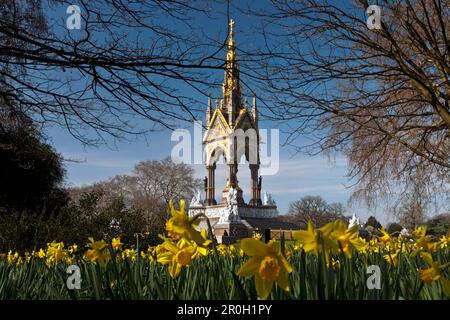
231	79
231	37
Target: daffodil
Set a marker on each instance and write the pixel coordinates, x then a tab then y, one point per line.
169	228
27	256
316	240
386	237
55	252
422	240
152	254
434	273
348	239
267	264
183	226
113	284
444	242
419	232
116	244
98	252
129	254
288	252
222	249
40	254
177	256
257	235
73	248
374	246
12	257
335	264
392	258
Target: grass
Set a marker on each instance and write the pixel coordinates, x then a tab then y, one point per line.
214	277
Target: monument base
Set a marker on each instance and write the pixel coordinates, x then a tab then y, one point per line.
227	231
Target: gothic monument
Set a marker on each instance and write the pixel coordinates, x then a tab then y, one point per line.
232	132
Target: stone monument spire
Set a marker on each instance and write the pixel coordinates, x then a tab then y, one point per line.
209	111
254	110
232	134
231	88
229	129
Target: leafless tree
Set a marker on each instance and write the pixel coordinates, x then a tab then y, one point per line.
316	209
379	96
165	180
122	73
149	189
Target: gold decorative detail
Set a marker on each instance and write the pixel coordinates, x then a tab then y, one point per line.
241	117
231	38
231	77
218	113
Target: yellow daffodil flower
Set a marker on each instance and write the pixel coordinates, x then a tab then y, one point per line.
41	254
129	254
348	239
12	257
98	252
316	240
392	258
423	241
55	252
419	232
444	242
116	244
257	235
73	248
152	254
386	237
222	249
113	284
177	256
434	273
182	225
335	264
267	264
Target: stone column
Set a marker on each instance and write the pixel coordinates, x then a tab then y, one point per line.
232	174
259	191
255	194
210	187
232	181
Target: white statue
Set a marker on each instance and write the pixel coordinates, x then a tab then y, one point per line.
271	201
268	201
230	196
231	211
197	200
354	221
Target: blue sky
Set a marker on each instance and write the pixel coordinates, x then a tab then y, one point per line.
298	176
